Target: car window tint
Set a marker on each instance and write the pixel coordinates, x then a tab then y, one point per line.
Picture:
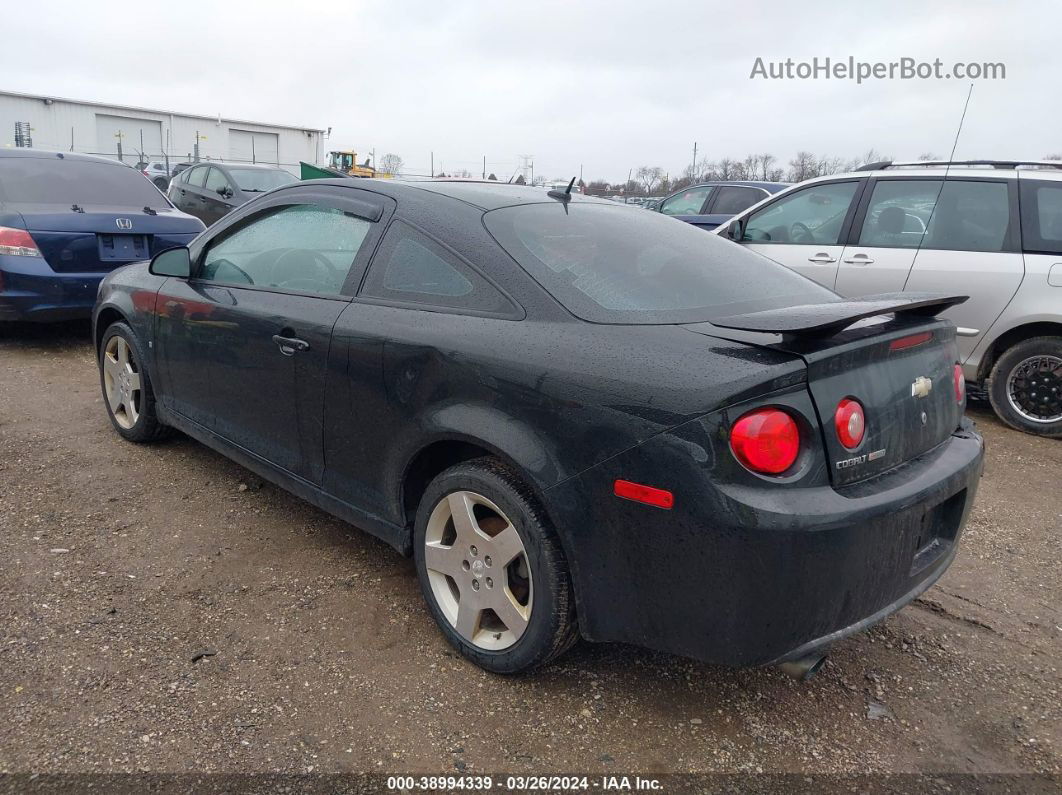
898	213
689	202
196	176
63	182
259	180
611	264
732	200
304	247
410	267
1041	209
812	216
970	215
216	179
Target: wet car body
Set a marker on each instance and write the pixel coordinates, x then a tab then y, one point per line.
742	569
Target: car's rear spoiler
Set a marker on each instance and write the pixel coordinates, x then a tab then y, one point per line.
829	318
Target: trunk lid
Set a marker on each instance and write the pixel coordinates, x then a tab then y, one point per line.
901	370
103	238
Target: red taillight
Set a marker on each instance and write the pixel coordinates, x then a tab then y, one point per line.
766	440
850	423
17	242
960	384
910	342
658	498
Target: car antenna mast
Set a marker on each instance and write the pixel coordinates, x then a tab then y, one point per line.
940	190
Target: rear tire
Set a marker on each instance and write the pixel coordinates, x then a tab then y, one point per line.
1025	387
127	393
508	614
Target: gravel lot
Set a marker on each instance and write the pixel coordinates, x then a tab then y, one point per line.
163	610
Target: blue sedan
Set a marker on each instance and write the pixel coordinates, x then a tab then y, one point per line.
66	220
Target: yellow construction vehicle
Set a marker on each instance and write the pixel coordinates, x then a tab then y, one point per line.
347	162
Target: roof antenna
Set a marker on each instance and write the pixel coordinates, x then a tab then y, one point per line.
940	190
562	195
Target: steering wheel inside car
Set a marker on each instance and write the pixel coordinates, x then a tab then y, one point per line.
799	233
322	277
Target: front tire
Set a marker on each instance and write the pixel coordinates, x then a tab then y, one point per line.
492	570
1025	387
127	392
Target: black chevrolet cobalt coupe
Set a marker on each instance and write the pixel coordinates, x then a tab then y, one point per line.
580	419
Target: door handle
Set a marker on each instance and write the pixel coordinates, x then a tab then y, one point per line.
289	345
822	257
859	259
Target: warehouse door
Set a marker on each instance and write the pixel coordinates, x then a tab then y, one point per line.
140	138
253	147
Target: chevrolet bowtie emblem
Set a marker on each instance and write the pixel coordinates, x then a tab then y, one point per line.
921	387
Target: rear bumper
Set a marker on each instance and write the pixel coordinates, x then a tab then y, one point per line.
740	575
33	291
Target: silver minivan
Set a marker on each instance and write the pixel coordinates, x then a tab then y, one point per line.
991	230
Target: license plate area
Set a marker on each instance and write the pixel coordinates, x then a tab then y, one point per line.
123	248
936	531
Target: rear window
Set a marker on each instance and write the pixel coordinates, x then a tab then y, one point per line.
259	180
33	180
609	264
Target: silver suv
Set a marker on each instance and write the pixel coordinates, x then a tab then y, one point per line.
991	230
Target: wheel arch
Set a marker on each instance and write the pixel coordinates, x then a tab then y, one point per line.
106	317
1011	337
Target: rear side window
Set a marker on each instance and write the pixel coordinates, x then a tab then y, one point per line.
1041	216
412	268
970	216
898	213
610	264
732	200
63	182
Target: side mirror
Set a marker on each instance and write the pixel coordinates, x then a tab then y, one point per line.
172	262
735	230
224	191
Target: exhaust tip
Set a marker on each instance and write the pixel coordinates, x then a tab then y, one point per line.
805	668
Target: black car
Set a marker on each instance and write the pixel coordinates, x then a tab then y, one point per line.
68	219
581	419
211	190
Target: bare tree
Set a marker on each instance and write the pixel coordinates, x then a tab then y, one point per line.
391	164
649	176
803	166
491	177
1056	156
927	156
766	166
726	169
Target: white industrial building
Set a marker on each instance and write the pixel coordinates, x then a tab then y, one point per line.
136	134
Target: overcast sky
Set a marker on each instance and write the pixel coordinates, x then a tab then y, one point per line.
607	86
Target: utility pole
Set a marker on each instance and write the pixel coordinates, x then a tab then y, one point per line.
484	166
433	164
580	173
532	172
693	173
523	169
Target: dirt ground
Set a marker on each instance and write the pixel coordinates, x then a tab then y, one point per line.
163	610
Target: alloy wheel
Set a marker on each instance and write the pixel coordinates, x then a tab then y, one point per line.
478	570
121	382
1034	388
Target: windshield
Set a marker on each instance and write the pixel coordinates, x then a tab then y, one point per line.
610	264
259	180
49	180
